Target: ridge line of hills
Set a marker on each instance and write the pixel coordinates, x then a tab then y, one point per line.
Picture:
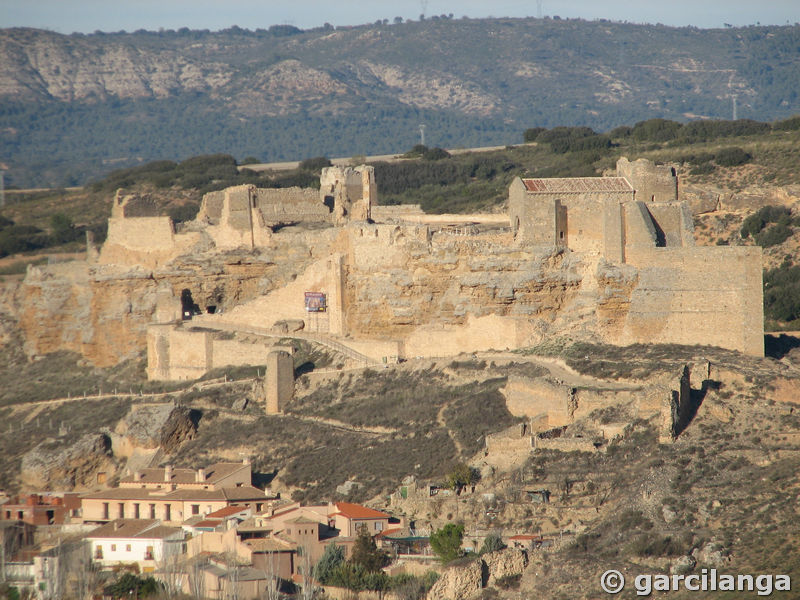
76	106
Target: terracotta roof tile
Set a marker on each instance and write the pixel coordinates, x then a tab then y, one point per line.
133	528
356	511
213	473
566	185
226	512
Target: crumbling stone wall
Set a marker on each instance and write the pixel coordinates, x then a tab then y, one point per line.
127	205
653	183
349	191
177	353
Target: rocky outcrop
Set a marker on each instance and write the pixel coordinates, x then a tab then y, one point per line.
464	581
700	200
459	582
67	463
157	426
504	563
102	311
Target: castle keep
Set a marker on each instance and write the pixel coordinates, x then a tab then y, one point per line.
608	259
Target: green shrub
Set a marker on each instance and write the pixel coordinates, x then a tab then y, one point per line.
790	124
756	222
782	293
492	543
732	157
777	234
435	154
531	134
656	130
315	164
623	131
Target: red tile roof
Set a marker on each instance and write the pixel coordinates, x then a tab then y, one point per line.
133	528
213	523
562	185
226	512
356	511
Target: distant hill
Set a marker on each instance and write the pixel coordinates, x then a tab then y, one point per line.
75	106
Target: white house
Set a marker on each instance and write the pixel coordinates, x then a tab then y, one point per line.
145	542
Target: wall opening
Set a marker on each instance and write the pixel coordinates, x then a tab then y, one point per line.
188	306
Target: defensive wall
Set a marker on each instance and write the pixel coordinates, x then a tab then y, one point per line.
176	353
697	295
138	236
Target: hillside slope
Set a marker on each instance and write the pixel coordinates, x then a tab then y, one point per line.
287	94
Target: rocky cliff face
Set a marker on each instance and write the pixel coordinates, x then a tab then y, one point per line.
47	65
102	312
65	463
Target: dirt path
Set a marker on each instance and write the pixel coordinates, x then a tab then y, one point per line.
37	406
341	425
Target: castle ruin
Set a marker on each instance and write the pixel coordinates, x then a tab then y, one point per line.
607	259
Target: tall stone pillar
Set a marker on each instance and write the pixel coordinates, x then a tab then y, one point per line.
278	381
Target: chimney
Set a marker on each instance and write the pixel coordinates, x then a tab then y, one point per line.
117	525
201	475
137	475
168	473
246	460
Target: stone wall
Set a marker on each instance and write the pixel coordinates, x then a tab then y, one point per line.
349	191
673	223
175	353
288	302
653	183
703	295
548	404
149	242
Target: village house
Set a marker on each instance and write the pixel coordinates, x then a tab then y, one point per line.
214	477
175	495
144	542
45	508
172	507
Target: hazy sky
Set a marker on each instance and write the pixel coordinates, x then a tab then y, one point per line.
66	16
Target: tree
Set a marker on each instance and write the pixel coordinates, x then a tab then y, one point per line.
307	589
461	476
331	559
446	542
492	543
272	590
366	553
197	582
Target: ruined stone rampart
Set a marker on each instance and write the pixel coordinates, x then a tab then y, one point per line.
673	223
175	353
653	183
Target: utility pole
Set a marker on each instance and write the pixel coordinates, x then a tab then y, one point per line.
733	97
539	9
